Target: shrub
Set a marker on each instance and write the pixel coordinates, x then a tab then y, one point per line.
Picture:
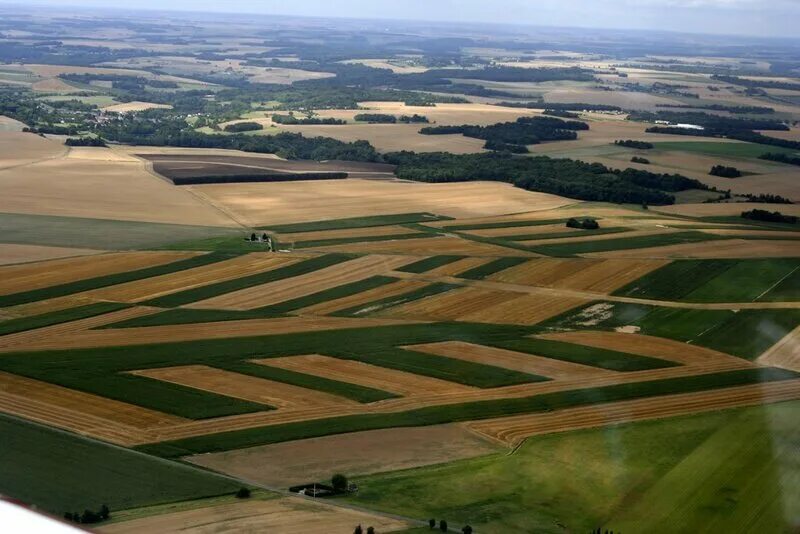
339	483
432	523
637	159
630	143
443	525
243	493
358	530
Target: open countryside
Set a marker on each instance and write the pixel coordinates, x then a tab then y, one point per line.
290	274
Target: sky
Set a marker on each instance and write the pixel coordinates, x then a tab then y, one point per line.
778	18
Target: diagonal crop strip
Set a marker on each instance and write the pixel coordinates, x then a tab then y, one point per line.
111	279
356	222
595	357
228	286
500	264
190	316
388	302
471	411
363	239
57	317
423	266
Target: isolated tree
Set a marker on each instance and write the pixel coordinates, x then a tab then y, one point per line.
339	483
253	237
358	530
371	530
432	523
264	236
105	513
467	529
443	525
243	493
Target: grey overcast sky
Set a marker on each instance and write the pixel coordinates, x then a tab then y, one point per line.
746	17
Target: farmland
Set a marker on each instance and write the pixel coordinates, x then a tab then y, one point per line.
236	252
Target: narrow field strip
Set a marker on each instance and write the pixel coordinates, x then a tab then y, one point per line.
507	359
355	222
352	240
158	286
627	243
388	302
333	275
78	412
259	390
483	271
346	389
467	412
611	360
212	290
403	383
347	233
428	264
785	353
429	246
501	224
458	267
511	431
189	332
655	347
358	300
506	232
79	286
65	271
58	317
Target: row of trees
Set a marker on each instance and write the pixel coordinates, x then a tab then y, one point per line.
725	171
385	118
292	119
780	158
574	179
769	216
89	516
523	131
630	143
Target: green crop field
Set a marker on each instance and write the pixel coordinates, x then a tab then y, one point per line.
487	269
356	222
622	243
718	281
62	472
101	233
428	264
62	316
714	148
745	333
388	302
704	473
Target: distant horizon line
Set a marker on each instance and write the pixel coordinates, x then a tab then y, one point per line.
179	11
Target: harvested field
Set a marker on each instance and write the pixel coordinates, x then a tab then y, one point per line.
656	347
508	359
54	85
347	233
387	291
426	247
97	153
388	137
721	209
785	353
285	464
545	229
217	272
289	514
364	374
250	388
129	107
513	430
19	148
186	332
597	237
104	190
752	233
457	267
306	284
728	248
603	276
19	278
11	254
78	412
472	304
291	202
